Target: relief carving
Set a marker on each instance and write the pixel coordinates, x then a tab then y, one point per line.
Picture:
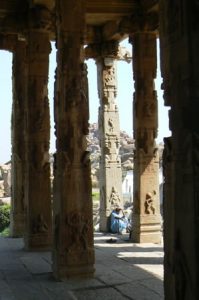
78	226
39	225
109	77
40	157
65	161
148	110
146	140
114	197
111	149
149	203
110	125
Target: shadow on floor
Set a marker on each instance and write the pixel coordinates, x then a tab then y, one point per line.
123	271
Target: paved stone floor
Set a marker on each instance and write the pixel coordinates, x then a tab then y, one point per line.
123	271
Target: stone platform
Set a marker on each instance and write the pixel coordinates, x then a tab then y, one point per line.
123	271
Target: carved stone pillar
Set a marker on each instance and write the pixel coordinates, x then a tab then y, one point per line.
146	213
17	216
109	135
38	233
169	216
179	31
73	251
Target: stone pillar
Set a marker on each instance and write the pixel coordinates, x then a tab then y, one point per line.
73	251
179	31
109	135
38	233
146	213
168	215
17	216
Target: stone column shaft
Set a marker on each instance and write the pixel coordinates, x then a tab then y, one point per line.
73	252
37	189
179	42
109	134
146	215
17	217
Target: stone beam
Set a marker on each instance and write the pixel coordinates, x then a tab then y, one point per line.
13	24
139	21
10	6
8	42
120	28
117	6
49	4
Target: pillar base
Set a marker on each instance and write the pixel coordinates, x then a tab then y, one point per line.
17	225
147	229
38	242
105	223
68	267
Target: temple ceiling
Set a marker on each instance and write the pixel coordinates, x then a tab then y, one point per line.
105	20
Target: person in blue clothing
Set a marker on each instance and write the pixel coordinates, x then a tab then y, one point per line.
118	221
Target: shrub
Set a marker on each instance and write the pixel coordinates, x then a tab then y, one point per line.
4	216
95	196
5	232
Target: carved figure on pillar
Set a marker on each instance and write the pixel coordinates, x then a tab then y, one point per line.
149	203
39	225
114	197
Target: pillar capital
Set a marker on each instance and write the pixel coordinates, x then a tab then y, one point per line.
8	42
40	19
102	50
140	21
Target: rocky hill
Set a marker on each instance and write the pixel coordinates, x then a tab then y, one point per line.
126	152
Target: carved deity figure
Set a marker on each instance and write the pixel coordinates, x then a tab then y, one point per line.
149	203
148	109
79	227
110	124
109	77
114	197
39	225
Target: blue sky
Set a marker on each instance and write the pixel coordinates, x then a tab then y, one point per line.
124	100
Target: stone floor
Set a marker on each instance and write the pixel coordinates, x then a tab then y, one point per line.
123	271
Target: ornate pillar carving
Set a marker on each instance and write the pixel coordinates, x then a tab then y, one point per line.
146	214
109	133
73	251
179	31
17	216
38	233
